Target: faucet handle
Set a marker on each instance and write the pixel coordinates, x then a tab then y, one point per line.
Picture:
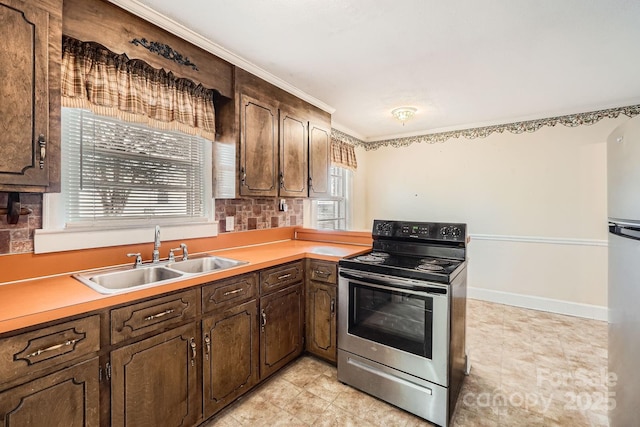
138	262
172	257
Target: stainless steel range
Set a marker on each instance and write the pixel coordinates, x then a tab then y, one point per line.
402	316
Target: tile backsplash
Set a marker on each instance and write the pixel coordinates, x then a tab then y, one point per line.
18	238
249	214
258	213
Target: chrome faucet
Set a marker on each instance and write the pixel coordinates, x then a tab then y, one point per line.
156	246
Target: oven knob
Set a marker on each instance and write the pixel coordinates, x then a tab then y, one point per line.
444	231
455	231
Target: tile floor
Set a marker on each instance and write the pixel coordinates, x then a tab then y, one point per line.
529	368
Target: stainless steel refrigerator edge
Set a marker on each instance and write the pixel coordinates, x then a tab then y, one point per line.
623	204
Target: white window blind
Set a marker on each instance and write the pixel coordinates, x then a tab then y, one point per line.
115	171
332	213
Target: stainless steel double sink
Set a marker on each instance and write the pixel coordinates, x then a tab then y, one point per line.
125	279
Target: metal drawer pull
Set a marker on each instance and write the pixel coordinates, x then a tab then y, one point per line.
207	343
284	276
322	273
264	320
333	306
164	313
192	343
53	347
233	292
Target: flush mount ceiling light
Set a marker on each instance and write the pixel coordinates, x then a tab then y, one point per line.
404	113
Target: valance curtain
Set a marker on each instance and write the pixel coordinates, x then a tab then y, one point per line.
113	85
343	155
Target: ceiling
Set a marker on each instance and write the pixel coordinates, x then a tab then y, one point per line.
461	63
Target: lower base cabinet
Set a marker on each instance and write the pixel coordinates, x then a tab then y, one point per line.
281	326
67	398
231	352
321	328
154	381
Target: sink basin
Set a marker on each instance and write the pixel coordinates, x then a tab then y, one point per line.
204	264
124	279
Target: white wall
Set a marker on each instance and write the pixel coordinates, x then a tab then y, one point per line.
535	205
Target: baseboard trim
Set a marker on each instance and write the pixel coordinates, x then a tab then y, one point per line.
587	311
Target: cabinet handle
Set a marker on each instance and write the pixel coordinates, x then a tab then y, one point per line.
233	292
53	347
43	150
192	343
243	174
322	273
284	276
207	343
163	313
310	183
333	306
264	319
281	180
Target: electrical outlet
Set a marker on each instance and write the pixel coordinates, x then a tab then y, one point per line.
229	223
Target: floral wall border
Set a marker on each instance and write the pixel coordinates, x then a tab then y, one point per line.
571	120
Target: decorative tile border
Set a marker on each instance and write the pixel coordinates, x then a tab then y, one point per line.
529	126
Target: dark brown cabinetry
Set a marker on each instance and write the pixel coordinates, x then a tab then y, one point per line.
281	316
30	93
319	160
231	341
155	381
258	148
69	397
321	310
293	155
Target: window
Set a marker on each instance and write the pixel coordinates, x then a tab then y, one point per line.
116	172
333	213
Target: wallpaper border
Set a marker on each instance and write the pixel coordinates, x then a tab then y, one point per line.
570	120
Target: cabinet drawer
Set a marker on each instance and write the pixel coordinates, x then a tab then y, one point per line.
323	271
280	277
37	350
148	316
229	292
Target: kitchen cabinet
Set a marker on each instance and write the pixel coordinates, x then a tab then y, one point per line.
231	341
281	317
258	147
283	151
293	154
69	397
30	92
321	309
154	380
319	160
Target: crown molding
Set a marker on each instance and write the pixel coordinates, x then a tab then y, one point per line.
185	33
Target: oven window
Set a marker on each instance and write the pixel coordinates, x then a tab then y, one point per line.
394	318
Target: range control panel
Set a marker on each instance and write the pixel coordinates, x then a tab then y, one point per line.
420	230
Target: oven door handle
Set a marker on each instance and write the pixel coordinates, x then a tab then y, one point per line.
390	284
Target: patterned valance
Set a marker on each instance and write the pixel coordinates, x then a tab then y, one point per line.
343	154
111	84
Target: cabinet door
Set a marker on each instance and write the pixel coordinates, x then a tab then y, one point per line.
258	148
67	398
154	381
321	320
293	155
24	110
319	160
231	352
281	319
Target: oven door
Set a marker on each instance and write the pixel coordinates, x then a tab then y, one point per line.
400	323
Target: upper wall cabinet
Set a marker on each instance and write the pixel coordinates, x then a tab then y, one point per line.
30	93
319	161
258	147
284	142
